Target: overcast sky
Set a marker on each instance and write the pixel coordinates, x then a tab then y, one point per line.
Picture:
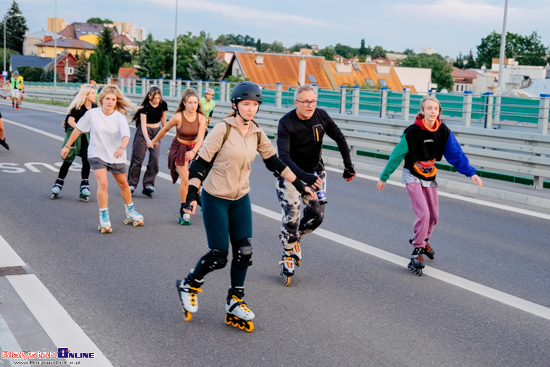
449	26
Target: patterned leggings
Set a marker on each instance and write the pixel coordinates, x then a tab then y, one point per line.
292	227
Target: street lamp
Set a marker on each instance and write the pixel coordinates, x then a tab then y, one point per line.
175	45
55	49
502	49
144	68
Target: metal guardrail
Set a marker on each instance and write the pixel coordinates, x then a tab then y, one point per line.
522	152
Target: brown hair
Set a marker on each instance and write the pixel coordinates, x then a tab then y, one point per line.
189	92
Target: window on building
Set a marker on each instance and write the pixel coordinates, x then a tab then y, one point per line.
355	67
369	82
383	82
311	78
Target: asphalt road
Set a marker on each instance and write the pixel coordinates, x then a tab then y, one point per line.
348	304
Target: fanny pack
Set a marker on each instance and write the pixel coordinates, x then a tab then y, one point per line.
425	168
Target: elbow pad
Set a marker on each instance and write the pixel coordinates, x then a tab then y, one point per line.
199	169
275	165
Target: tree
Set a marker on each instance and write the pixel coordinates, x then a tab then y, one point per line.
363	50
81	71
16	26
408	52
276	47
298	46
441	70
378	52
206	66
526	50
97	20
345	51
328	53
29	73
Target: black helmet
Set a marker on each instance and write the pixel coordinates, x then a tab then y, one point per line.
246	90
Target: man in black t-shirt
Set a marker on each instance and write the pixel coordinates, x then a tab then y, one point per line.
299	144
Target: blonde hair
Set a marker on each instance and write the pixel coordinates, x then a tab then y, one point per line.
80	98
122	103
426	99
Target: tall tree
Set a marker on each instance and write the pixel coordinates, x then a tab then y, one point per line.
378	52
363	49
81	71
441	70
527	50
16	26
206	66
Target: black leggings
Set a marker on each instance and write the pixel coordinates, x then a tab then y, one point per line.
84	173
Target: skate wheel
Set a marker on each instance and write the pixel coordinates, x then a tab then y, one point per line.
227	320
126	221
54	196
286	279
249	326
187	316
298	262
135	224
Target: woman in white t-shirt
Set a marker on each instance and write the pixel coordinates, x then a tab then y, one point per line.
109	136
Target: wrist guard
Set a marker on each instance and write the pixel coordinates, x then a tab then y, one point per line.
349	173
299	185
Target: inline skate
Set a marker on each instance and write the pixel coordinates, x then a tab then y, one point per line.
428	250
4	144
85	191
417	261
132	216
148	191
56	189
104	222
238	314
187	291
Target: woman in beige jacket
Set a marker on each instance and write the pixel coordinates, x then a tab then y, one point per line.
223	168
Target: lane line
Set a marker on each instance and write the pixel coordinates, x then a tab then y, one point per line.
460	282
505	298
7	340
54	319
9	256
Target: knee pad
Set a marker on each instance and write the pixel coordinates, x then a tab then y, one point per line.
215	259
242	253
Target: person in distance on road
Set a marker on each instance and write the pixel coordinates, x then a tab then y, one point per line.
190	126
84	100
207	105
223	166
2	136
423	143
15	89
149	120
109	137
299	143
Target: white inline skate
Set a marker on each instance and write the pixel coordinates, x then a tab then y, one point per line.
188	290
238	313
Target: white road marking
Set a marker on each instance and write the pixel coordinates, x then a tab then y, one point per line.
56	322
